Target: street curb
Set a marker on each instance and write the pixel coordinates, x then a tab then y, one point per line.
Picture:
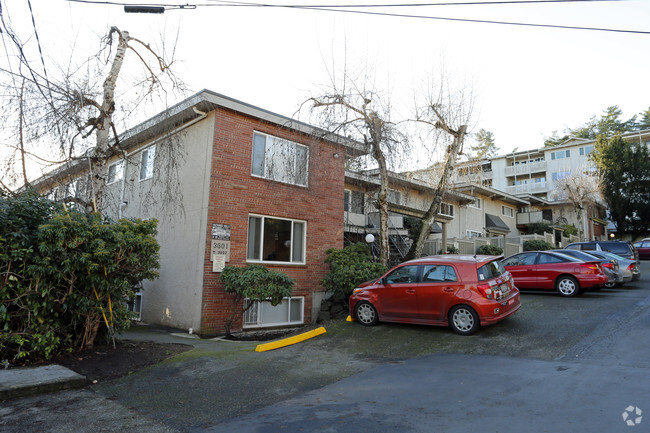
23	382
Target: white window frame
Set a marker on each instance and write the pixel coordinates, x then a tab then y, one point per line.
476	204
348	197
254	316
287	176
119	172
507	211
261	242
146	167
473	234
449	207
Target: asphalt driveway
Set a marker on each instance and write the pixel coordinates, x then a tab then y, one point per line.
557	365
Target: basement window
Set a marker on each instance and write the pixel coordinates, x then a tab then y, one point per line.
263	314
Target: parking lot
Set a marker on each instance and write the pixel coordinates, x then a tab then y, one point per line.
559	364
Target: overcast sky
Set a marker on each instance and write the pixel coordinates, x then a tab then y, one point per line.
528	81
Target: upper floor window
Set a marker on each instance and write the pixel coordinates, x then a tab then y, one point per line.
586	150
476	204
354	202
276	240
447	209
146	163
561	154
394	196
115	172
280	160
507	211
560	175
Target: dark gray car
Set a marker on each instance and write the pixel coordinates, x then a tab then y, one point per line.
610	266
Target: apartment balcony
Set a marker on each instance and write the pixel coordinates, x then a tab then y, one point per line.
525	218
531	188
529	168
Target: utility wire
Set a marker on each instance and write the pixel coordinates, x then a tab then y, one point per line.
343	9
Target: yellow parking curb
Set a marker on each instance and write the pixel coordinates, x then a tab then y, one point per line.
291	340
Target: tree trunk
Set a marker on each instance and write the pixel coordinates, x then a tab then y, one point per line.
429	217
104	125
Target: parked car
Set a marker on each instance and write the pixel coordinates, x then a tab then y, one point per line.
463	292
610	266
629	268
621	248
644	249
554	271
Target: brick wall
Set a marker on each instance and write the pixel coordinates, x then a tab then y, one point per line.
234	194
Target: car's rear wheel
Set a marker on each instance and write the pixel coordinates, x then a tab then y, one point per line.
464	320
567	286
366	313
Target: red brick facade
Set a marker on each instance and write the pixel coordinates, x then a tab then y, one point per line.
235	193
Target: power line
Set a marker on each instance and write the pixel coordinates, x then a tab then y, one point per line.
344	9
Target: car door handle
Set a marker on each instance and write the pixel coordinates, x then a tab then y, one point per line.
530	269
448	289
410	291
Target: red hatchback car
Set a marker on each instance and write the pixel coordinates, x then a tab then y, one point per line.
644	249
554	271
464	292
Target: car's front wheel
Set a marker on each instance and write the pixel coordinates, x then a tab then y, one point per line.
366	313
464	320
567	286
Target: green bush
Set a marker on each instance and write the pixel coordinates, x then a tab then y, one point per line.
539	228
537	245
58	270
490	250
570	230
349	267
256	283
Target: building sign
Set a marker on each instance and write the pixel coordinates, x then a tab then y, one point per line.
220	246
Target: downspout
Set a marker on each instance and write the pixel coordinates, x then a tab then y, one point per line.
122	192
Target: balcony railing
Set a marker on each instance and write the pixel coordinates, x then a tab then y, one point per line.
529	168
530	188
526	218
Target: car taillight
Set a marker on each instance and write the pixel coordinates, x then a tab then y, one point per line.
608	265
595	268
486	290
631	267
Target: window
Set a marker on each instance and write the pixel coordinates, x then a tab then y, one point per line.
394	196
476	204
146	163
586	150
275	240
561	154
280	160
447	209
134	305
560	175
405	274
507	211
549	258
438	274
473	234
354	202
115	172
287	312
523	259
540	179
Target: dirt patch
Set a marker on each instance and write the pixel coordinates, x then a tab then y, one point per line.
103	363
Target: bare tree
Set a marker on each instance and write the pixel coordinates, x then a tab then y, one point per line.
52	121
446	114
355	110
579	188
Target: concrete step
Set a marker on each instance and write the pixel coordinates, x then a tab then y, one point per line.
25	381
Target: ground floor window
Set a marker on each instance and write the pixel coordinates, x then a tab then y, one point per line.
262	314
273	239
